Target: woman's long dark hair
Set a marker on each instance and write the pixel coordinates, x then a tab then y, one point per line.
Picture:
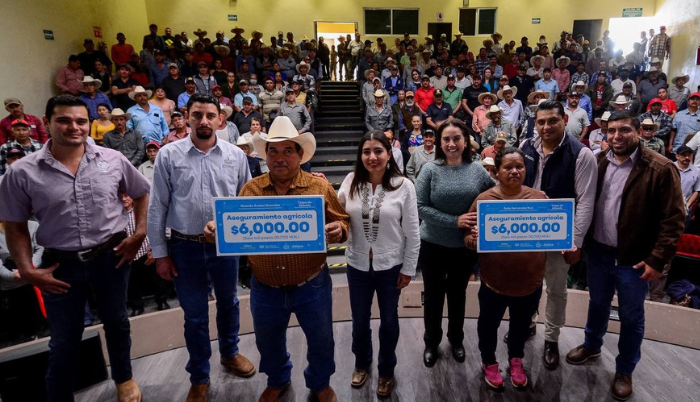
361	172
440	156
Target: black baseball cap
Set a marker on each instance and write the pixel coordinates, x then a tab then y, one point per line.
683	149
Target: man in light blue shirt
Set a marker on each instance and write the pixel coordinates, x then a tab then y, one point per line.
190	89
244	86
146	118
187	175
547	84
686	122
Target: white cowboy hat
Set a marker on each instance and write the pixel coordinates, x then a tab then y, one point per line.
370	71
226	109
531	97
379	93
117	112
140	90
89	80
580	84
685	78
653	69
532	59
620	100
222	47
282	129
566	59
303	63
507	88
488	161
481	97
245	141
650	122
493	109
604	117
475	145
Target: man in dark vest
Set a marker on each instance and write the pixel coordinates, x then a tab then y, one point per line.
563	168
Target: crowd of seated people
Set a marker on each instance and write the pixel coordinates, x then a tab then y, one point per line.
137	99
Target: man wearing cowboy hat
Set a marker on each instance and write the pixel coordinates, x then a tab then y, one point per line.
187	259
16	109
678	92
479	121
661	119
498	124
649	87
354	48
648	138
595	142
512	107
562	76
529	113
227	130
124	139
146	118
577	123
20	140
303	75
92	97
246	145
458	45
686	122
584	100
536	70
305	287
379	116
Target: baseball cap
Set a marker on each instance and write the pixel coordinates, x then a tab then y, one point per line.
18	122
501	137
450	77
247	99
171	65
429	131
216	87
425	77
289	89
243	82
15	152
189	80
410	94
683	149
176	114
438	92
12	101
655	100
693	95
154	143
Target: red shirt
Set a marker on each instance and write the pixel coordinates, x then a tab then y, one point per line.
37	131
668	106
121	54
204	56
511	70
424	98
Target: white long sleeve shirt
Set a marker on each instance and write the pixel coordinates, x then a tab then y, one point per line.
398	237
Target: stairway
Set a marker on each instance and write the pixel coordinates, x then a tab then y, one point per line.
339	125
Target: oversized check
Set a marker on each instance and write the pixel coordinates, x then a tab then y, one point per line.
525	225
270	225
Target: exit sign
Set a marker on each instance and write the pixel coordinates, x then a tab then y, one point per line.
233	17
631	12
536	20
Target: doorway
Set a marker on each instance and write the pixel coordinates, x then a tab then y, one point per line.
625	31
331	31
590	29
438	28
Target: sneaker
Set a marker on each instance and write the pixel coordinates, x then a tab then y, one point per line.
492	375
517	374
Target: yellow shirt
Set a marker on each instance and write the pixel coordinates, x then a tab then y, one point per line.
98	131
292	269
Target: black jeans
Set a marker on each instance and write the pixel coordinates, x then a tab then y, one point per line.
145	277
492	307
446	271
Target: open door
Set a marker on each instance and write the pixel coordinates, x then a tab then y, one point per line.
331	31
438	28
590	29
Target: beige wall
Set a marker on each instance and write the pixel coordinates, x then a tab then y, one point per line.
682	19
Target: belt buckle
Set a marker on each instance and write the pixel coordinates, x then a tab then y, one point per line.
82	254
202	239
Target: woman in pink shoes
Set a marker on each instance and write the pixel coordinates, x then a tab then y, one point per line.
508	280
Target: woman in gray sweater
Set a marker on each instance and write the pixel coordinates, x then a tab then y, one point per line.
445	189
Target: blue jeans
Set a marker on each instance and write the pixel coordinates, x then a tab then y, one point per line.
66	313
605	276
362	286
312	304
194	261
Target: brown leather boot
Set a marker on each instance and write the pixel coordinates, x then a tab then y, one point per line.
239	365
327	395
128	391
621	388
198	392
580	354
273	394
359	377
385	386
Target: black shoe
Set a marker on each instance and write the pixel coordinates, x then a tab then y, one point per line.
550	357
163	306
459	353
430	356
533	332
137	312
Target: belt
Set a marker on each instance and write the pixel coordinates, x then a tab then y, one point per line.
298	285
90	253
199	238
604	247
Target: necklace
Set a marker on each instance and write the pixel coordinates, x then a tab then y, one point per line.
371	228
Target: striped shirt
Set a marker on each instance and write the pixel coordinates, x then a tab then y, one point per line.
185	180
130	229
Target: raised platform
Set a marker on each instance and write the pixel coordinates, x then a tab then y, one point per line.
665	373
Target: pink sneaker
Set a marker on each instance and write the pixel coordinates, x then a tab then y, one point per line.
517	374
492	375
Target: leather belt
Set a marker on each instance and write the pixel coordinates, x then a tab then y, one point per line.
90	253
298	285
199	238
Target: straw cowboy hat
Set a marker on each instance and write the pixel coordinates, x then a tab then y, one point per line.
222	47
620	100
200	32
245	141
481	97
507	88
650	122
238	30
379	93
531	97
488	161
602	118
370	71
282	129
580	84
89	80
226	109
492	110
533	58
117	112
685	78
474	144
140	90
566	59
303	64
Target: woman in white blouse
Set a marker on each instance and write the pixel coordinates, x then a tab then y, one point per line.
382	252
